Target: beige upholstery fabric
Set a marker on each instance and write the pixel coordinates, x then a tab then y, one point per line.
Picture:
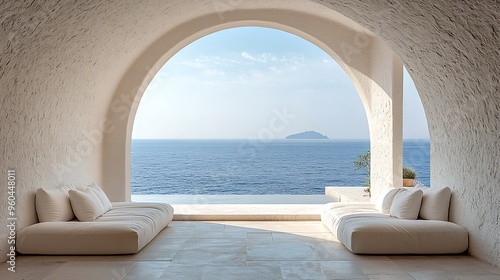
125	229
106	204
385	201
53	205
364	230
86	205
435	204
406	204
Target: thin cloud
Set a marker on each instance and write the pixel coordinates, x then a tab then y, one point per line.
262	58
214	72
207	62
195	63
247	56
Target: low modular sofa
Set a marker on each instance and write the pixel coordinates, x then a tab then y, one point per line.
82	221
401	222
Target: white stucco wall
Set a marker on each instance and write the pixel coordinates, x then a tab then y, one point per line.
62	62
451	49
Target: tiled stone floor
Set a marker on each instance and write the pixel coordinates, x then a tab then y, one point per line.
248	250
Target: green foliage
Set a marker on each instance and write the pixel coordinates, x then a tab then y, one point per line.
363	163
409	173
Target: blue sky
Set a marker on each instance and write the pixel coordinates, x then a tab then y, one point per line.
252	82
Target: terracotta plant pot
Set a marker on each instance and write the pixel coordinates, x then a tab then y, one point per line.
408	182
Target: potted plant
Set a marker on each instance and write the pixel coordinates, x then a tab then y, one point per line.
408	177
363	162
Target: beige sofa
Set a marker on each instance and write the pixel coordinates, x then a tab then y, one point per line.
375	228
123	228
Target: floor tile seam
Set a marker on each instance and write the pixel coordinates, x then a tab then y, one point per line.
125	274
283	274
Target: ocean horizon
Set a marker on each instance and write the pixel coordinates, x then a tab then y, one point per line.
253	166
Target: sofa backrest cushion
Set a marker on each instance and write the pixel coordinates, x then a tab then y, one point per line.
86	205
406	204
384	202
103	198
53	205
435	203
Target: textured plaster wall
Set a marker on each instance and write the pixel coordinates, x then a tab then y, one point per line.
62	61
59	60
385	120
47	105
452	51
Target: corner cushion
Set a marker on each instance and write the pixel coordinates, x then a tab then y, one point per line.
53	205
435	204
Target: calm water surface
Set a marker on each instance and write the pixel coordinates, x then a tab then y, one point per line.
243	167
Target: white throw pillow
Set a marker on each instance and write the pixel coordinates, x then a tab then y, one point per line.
86	205
435	204
106	204
53	205
406	204
384	202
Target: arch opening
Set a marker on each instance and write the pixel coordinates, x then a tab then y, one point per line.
251	87
374	68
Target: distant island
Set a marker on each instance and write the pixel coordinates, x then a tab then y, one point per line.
307	135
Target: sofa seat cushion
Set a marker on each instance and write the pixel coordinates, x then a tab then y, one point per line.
125	229
363	230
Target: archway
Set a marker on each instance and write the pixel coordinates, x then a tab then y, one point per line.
374	68
232	97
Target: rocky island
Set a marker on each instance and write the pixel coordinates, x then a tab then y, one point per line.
307	135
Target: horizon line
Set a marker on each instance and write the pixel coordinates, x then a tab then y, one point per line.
335	139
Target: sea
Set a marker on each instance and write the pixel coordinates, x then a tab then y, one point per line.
253	167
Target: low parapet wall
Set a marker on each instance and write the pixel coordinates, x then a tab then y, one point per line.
347	194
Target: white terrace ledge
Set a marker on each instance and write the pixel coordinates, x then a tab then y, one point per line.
253	207
348	194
